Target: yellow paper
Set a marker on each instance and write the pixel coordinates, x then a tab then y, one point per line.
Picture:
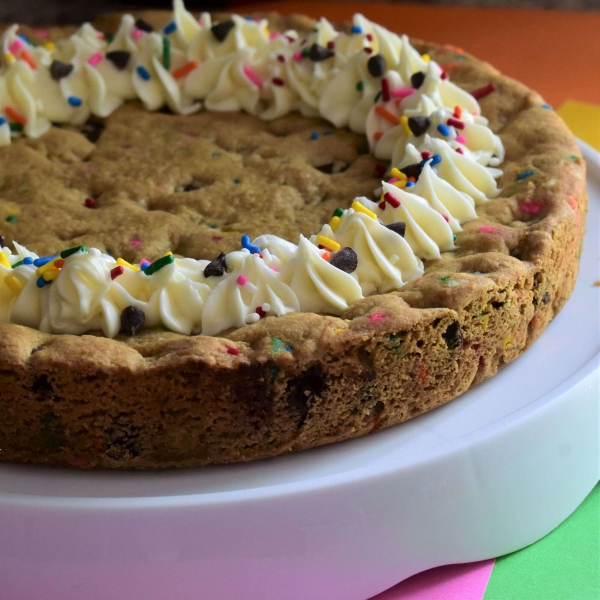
583	120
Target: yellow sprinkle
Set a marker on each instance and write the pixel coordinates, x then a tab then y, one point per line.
9	58
14	284
398	174
507	342
334	223
404	123
358	207
124	263
265	31
50	46
328	243
400	184
51	274
169	253
4	260
426	57
49	265
340	330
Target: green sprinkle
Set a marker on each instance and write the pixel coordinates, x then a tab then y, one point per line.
360	86
277	345
338	212
274	371
110	37
15	127
573	157
70	251
454	237
166	53
306	52
17	264
446	278
12	219
377	96
157	265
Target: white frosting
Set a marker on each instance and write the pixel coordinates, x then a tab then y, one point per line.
319	286
240	65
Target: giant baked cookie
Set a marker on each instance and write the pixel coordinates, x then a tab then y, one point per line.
354	231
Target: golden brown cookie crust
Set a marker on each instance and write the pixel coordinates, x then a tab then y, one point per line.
290	383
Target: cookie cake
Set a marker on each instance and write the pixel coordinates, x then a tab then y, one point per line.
226	238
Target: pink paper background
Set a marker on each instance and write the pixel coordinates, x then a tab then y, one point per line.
451	582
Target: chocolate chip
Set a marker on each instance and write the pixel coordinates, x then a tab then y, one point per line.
303	389
546	298
398	227
2	242
376	65
221	30
318	53
144	26
418	125
417	79
412	170
59	69
132	319
497	304
453	335
345	260
119	58
217	267
92	130
192	186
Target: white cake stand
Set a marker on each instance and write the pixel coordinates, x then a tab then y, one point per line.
487	474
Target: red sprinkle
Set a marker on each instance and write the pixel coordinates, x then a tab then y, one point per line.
425	155
261	312
484	91
369	37
376	317
114	273
394	202
232	350
446	218
368	50
331	45
444	76
458	112
281	58
460	150
381	205
385	89
532	208
90	203
485	229
456	123
277	81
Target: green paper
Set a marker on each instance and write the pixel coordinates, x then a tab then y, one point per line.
564	565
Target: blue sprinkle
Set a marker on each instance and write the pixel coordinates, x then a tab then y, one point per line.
288	348
216	154
525	175
144	266
314	135
74	101
24	38
28	260
170	28
41	282
246	244
40	262
409	184
443	129
328	133
2	120
143	73
236	181
356	29
248	18
546	106
436	159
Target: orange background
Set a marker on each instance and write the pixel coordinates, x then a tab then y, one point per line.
556	53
